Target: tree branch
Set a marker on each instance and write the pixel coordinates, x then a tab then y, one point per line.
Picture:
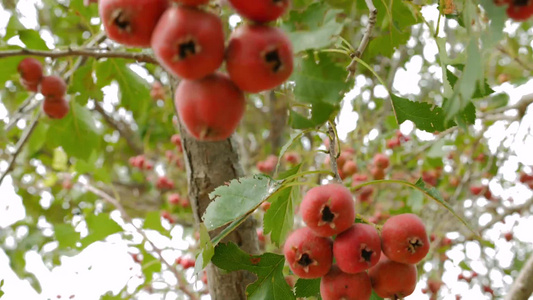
522	287
85	52
20	145
506	212
182	283
372	15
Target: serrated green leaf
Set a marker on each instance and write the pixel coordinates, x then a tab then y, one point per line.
32	39
99	226
270	283
153	221
279	218
307	287
66	235
237	199
319	37
320	114
77	133
83	86
319	81
426	117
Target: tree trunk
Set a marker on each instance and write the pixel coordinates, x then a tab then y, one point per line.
522	287
209	165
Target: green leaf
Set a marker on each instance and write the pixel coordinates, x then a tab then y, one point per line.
426	117
319	37
319	81
134	91
237	199
99	226
66	236
279	218
207	250
270	283
464	266
32	39
307	287
320	114
153	221
1	285
83	86
150	265
37	139
415	201
60	160
374	296
77	133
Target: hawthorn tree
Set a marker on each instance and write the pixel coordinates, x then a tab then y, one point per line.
101	138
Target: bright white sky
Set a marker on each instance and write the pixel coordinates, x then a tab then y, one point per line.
73	277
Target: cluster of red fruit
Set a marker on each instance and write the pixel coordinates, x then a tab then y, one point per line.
328	211
140	162
52	87
397	140
189	42
176	199
185	262
527	179
518	10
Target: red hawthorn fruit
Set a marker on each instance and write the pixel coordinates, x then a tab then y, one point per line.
166	215
176	140
258	57
377	173
488	289
328	209
308	255
192	2
174	199
265	206
357	179
365	194
430	177
508	236
210	108
260	235
391	279
381	161
130	22
357	249
53	87
148	165
393	143
189	42
31	73
337	285
292	158
525	178
163	183
520	10
291	281
349	168
204	278
157	92
476	189
454	181
184	202
434	285
56	108
261	11
404	239
187	262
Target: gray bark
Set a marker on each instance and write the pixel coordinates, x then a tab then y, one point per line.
522	287
209	165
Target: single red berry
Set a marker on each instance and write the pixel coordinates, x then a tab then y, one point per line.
308	255
357	249
328	209
404	239
131	22
381	161
258	57
56	108
260	10
210	108
53	87
337	285
391	279
349	168
508	236
189	42
31	73
174	199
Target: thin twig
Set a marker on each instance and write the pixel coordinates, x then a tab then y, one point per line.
332	135
124	132
20	145
182	284
372	15
96	53
506	212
